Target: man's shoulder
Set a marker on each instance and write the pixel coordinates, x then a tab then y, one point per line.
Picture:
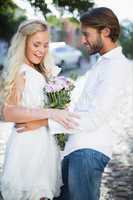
119	61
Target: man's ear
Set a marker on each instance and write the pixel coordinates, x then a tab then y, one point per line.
106	32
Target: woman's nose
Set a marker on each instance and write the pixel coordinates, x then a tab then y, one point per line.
41	50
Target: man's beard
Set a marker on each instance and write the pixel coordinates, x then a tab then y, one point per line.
96	46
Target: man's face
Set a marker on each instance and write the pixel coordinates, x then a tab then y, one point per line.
91	39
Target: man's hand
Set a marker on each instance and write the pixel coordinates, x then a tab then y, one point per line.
64	117
29	126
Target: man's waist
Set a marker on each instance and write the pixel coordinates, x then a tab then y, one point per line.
97	140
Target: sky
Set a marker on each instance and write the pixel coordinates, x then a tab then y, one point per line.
122	8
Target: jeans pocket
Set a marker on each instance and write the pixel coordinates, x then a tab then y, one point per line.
105	160
101	161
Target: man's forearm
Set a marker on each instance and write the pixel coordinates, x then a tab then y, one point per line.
33	125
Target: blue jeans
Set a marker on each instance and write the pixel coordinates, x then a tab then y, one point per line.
82	172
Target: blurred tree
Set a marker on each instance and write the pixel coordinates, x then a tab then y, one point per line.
126	39
53	20
80	5
6	5
74	21
8	21
40	5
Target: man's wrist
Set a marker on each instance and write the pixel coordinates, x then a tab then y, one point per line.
50	113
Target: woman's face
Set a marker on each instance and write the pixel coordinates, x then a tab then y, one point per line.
37	47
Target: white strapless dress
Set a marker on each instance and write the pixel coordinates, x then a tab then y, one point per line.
32	167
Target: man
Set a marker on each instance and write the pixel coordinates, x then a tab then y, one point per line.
105	105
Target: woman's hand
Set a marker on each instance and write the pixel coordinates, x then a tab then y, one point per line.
29	126
64	117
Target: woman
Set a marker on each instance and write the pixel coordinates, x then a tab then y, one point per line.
32	160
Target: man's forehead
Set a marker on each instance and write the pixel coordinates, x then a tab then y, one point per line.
85	29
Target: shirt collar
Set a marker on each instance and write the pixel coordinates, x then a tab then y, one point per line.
116	52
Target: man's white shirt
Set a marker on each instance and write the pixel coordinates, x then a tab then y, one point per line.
105	105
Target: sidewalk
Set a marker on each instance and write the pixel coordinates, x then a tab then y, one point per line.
117	181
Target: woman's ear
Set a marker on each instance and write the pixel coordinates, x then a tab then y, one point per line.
106	32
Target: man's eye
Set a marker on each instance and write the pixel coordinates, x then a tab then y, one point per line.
85	34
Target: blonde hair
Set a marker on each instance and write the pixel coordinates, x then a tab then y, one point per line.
16	54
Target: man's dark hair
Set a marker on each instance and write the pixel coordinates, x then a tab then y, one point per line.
100	18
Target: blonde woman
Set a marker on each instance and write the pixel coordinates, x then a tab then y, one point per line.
32	160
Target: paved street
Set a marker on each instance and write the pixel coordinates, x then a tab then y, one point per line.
118	177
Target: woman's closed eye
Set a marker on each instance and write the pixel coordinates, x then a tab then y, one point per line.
38	45
35	45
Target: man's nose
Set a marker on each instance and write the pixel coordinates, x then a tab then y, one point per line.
83	39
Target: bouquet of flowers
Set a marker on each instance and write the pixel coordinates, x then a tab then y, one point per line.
58	91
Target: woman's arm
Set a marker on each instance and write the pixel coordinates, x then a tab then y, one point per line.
20	114
14	112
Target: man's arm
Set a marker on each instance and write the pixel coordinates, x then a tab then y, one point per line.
106	98
104	104
33	125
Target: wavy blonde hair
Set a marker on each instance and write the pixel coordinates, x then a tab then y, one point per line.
16	54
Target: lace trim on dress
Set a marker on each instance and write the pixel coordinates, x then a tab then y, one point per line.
13	193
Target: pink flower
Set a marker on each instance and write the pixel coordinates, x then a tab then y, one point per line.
58	83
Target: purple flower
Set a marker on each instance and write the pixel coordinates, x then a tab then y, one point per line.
57	84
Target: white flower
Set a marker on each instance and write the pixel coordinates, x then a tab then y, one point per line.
51	69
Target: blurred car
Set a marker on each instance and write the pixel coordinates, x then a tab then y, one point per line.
65	56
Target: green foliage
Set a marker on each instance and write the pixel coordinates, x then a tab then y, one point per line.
40	5
7	5
53	20
8	22
74	20
80	5
126	40
9	25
